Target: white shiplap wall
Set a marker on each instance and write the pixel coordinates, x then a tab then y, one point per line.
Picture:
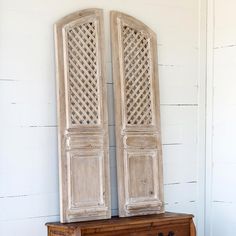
28	139
221	158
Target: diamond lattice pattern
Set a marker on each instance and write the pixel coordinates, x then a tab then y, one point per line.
136	48
82	73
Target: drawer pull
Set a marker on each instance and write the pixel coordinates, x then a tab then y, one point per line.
160	234
171	233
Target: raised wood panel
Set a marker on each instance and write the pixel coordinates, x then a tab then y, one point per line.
137	115
84	172
141	171
82	117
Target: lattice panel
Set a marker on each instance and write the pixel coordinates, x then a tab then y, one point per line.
82	73
136	49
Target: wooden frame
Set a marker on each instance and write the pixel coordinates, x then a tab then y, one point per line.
137	114
82	117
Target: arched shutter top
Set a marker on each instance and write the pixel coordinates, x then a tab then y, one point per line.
137	72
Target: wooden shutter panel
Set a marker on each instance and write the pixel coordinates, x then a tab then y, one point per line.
137	108
82	117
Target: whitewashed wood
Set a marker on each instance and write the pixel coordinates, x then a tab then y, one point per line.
224	33
180	129
221	127
41	205
27	226
82	116
177	189
137	115
223	218
184	207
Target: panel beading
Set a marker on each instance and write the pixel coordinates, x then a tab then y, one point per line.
136	48
82	74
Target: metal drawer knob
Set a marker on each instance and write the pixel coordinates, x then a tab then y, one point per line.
171	233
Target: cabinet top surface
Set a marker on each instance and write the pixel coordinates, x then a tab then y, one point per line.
124	221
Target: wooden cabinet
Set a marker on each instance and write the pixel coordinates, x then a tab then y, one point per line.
167	224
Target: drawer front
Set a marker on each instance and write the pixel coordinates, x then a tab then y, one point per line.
169	231
172	230
58	232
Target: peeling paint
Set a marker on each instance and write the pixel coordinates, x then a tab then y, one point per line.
217	201
14	196
180	105
31	217
166	65
42	126
172	183
169	144
8	80
192	182
225	46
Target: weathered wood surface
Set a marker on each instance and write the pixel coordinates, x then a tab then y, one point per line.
137	116
82	117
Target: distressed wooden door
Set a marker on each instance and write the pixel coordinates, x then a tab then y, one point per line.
137	113
82	117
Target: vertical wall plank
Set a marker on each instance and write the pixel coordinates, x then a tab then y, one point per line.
222	111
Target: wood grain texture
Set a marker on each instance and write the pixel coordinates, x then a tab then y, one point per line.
137	114
192	228
82	117
167	224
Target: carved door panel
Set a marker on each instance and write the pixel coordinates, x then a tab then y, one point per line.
82	117
137	113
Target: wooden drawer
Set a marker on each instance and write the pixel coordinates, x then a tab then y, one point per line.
168	224
58	232
169	230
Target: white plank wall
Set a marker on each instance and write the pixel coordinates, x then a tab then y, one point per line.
221	203
28	139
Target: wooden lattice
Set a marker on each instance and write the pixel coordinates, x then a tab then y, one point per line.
83	80
137	77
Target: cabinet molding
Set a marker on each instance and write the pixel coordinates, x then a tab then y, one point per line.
167	224
137	115
82	117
